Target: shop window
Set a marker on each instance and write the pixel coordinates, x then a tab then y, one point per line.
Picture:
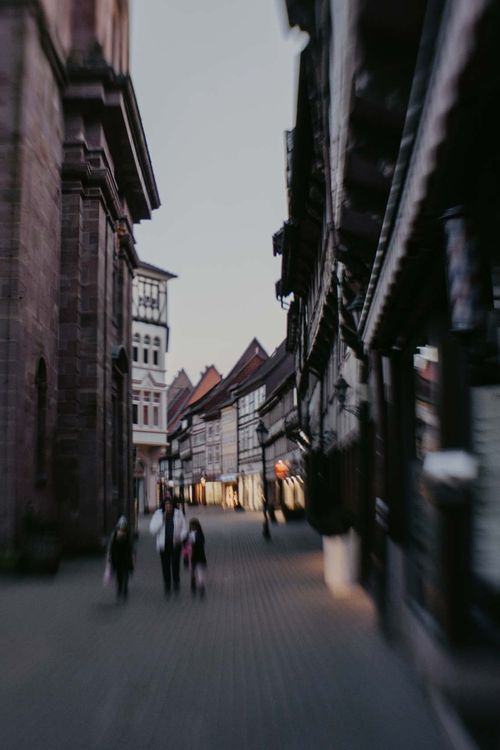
485	429
425	364
423	519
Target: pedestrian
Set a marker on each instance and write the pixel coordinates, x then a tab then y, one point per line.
198	557
121	557
169	526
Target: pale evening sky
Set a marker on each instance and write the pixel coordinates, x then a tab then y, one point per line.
216	82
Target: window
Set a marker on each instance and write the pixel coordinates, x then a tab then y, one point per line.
244	439
136	400
156	351
135	347
145	408
156	409
198	438
145	351
260	396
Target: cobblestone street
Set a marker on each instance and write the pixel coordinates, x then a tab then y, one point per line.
269	659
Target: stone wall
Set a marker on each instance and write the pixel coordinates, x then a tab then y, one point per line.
30	138
68	172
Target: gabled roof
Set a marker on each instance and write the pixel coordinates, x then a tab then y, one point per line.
209	378
178	393
181	380
176	409
251	359
184	394
212	391
156	269
254	348
275	369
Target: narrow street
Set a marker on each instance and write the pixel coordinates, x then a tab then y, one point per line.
269	659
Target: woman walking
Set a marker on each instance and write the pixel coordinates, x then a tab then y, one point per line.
169	526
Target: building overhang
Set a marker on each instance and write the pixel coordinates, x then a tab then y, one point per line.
451	80
111	97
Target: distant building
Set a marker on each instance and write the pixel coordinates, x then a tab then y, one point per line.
285	472
249	397
229	454
211	483
150	334
76	176
179	451
203	447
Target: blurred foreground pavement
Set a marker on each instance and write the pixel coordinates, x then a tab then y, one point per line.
268	660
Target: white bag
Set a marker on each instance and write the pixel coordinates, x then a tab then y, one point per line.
108	574
156	522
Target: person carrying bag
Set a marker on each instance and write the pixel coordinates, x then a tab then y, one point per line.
169	526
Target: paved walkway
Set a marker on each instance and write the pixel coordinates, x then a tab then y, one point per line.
269	660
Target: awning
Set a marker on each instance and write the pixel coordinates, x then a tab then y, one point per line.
456	48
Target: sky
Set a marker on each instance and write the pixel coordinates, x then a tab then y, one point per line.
216	86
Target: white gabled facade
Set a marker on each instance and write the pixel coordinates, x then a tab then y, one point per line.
149	389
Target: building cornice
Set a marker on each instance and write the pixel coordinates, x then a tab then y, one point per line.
96	89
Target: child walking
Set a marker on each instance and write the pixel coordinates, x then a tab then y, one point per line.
120	556
198	557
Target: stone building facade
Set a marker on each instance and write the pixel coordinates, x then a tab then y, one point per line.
150	336
249	397
75	176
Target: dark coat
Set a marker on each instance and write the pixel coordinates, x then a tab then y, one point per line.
198	548
121	551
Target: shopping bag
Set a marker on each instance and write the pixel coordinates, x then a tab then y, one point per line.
108	574
156	522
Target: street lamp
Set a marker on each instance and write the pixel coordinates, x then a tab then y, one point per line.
340	389
262	433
